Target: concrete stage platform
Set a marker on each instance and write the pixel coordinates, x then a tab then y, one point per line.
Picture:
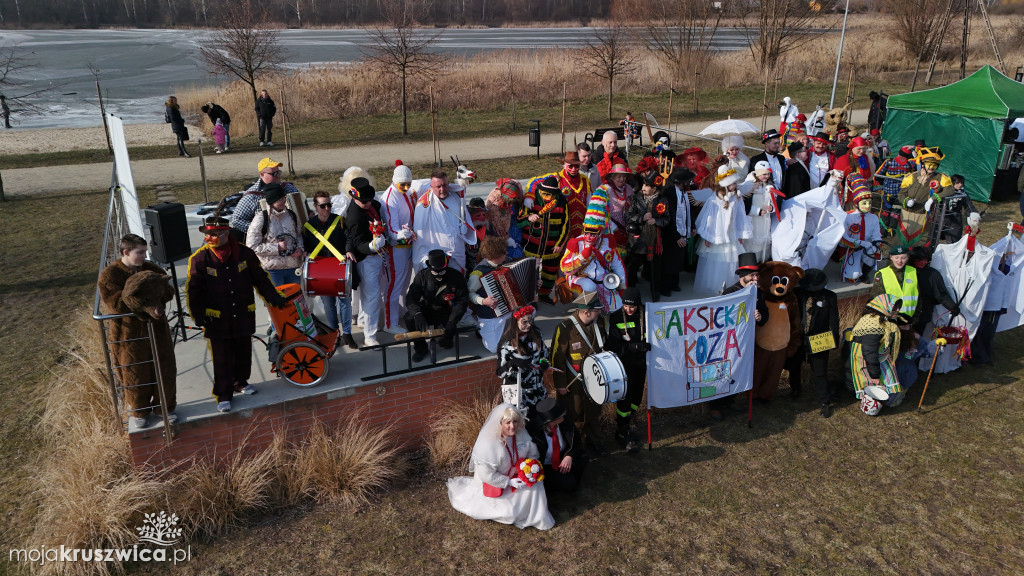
404	401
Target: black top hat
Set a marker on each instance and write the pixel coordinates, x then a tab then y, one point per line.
795	147
773	133
814	280
919	142
631	296
549	185
747	264
437	259
273	192
214	224
361	189
549	410
821	135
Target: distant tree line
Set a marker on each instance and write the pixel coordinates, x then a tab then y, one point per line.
291	13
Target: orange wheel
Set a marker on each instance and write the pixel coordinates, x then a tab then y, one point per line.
302	364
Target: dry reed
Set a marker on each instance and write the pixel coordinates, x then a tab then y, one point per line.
346	464
454	428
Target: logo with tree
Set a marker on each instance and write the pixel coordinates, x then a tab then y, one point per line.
159	529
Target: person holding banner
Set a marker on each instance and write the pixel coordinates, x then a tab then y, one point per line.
324	235
627	337
522	361
577	337
819	321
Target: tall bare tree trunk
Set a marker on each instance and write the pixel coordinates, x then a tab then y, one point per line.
405	122
611	84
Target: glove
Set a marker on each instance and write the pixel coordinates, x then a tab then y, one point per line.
528	203
277	300
420	320
517	484
404	234
510	243
866	245
645	346
954	311
910	202
544	365
928	205
587	251
377	243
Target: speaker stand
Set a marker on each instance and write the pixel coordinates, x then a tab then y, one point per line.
178	316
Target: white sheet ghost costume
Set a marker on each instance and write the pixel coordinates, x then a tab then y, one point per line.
444	225
493	463
967	281
809	227
1013	292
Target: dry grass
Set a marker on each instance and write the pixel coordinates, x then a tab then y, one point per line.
454	428
346	464
211	497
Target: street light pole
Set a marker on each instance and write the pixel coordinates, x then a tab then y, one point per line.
842	37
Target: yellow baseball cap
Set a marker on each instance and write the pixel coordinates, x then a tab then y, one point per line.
268	163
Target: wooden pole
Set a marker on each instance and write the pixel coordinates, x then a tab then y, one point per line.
512	92
287	132
563	118
433	131
695	77
849	87
103	114
202	171
764	105
671	89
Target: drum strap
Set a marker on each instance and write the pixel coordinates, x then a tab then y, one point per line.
323	240
600	342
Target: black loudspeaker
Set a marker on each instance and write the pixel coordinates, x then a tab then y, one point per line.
167	232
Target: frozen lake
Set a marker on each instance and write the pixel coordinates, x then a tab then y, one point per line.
139	68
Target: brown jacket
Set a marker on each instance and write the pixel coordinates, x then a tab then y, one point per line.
569	348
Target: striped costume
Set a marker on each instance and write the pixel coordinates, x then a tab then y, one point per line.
545	238
875	346
576	191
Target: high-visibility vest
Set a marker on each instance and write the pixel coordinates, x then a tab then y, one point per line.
907	292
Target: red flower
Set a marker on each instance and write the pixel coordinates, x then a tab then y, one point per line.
659	209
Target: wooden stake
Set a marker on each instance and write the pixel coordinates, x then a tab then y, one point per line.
287	135
849	87
433	132
202	171
563	118
103	114
671	89
512	92
764	105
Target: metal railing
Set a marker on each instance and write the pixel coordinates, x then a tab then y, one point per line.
116	227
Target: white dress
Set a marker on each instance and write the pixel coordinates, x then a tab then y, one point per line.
722	227
492	462
761	224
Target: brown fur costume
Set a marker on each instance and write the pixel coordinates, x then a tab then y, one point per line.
141	293
779	337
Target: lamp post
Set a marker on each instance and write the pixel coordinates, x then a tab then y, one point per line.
842	37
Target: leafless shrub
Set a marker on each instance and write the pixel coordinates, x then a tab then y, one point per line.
454	428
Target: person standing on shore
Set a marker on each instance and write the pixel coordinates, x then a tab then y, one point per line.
265	110
172	115
5	111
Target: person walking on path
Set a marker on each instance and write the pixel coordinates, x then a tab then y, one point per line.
265	110
172	115
5	111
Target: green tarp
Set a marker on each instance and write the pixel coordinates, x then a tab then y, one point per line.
966	119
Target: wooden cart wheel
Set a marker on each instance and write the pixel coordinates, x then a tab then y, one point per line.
302	364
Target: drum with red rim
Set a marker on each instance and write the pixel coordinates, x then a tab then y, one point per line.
327	276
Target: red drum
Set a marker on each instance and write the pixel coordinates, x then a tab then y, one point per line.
326	277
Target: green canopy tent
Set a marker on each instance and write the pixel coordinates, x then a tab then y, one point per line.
966	119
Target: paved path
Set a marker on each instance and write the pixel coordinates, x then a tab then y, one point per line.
242	166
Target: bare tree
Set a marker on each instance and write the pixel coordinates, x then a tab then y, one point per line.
779	26
246	47
678	31
608	55
920	26
402	50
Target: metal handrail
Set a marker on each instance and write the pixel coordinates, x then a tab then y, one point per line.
115	218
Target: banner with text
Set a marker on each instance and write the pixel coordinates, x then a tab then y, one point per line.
700	349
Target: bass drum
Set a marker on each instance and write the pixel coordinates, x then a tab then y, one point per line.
604	378
327	277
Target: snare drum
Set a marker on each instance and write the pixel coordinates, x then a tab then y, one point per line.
604	378
326	276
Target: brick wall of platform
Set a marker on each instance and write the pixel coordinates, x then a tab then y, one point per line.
406	403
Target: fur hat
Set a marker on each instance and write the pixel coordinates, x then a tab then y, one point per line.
402	173
732	141
726	176
353	172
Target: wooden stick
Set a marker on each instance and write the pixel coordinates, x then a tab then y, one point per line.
764	105
415	335
929	379
103	114
563	118
671	89
433	133
849	86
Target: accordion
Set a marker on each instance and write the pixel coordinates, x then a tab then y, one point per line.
513	286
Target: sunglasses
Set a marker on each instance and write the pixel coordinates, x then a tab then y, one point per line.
323	205
274	173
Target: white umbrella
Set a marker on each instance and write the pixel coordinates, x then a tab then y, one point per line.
730	126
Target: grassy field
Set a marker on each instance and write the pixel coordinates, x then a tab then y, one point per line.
904	493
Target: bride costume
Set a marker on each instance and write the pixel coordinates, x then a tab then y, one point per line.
493	464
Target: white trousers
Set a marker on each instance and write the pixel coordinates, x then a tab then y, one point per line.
370	270
396	283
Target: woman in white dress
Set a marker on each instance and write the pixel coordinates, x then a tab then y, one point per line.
494	491
732	150
722	225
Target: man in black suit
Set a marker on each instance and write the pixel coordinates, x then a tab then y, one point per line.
560	446
798	179
772	141
819	314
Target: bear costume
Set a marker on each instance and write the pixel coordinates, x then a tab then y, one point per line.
779	337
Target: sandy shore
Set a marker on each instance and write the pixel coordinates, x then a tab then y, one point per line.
65	139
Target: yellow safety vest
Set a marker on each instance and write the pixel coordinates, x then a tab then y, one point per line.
908	292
